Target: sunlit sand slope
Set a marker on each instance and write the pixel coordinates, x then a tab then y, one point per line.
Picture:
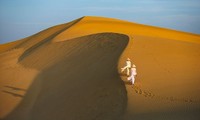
167	84
90	25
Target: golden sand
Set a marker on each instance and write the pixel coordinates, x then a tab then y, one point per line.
72	71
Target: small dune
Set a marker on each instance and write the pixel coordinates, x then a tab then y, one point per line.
72	72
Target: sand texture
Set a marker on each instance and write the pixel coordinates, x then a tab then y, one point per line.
72	72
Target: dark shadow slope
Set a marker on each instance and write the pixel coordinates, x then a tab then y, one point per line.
80	80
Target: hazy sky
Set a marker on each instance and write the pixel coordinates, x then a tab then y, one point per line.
22	18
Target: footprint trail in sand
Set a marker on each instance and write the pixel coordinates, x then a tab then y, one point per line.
148	94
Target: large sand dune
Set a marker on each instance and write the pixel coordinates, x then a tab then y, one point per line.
72	71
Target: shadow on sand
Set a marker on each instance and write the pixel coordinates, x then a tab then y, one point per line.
13	94
82	83
15	88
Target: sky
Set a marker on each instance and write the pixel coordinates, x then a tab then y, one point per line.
22	18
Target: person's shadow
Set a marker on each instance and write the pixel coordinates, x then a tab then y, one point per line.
127	82
123	74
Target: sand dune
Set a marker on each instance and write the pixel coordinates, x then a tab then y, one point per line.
72	71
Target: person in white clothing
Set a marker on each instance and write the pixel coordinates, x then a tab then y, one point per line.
127	66
133	74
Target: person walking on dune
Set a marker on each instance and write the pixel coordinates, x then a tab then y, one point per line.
131	78
127	66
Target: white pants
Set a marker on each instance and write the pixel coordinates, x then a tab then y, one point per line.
132	79
126	68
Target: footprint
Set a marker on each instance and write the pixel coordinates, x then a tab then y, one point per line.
191	100
145	93
153	95
140	91
136	91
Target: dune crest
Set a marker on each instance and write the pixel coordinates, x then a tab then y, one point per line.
92	25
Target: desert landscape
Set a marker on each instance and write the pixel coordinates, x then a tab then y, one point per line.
72	71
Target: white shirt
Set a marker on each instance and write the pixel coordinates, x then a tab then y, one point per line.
133	72
128	63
